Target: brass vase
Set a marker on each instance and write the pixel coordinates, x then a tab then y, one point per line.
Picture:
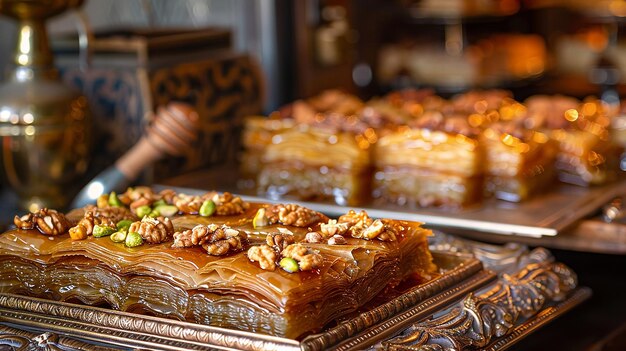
44	125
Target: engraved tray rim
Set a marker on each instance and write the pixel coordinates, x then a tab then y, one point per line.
127	329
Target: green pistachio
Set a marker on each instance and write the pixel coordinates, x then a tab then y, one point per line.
118	237
166	210
143	211
159	203
101	230
124	223
207	208
133	239
114	200
289	264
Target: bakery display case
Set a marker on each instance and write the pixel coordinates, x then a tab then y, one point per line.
334	175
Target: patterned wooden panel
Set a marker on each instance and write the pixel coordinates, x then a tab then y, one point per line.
222	89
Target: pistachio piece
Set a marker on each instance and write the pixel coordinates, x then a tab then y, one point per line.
158	203
118	237
143	211
166	210
101	230
114	200
125	223
207	208
133	239
259	219
289	264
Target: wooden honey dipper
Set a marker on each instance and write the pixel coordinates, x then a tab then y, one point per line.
171	132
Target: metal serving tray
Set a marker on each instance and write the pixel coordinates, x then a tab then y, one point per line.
463	309
545	215
461	274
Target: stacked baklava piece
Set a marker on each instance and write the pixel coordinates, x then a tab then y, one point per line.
277	269
415	148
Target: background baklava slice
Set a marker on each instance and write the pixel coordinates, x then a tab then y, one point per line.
519	161
587	153
435	161
311	163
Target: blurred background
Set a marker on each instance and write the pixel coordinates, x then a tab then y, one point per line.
231	59
369	47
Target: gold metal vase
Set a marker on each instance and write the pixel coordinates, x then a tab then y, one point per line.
44	125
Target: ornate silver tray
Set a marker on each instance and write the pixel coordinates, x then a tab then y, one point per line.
464	309
460	274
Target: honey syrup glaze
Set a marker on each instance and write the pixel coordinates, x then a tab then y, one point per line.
230	291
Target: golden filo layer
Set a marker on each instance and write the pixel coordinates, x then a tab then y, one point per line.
258	131
429	150
228	291
317	147
510	156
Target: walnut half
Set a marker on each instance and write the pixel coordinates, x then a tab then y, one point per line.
153	230
47	221
279	241
307	259
292	214
216	240
361	226
265	255
229	205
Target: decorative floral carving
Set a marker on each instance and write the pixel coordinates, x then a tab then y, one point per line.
477	320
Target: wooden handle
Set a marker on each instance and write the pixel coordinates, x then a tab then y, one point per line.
172	131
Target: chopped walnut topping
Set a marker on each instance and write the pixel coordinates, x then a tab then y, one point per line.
106	216
307	260
229	205
189	204
168	196
265	255
47	221
310	262
153	230
378	230
373	230
143	201
292	214
313	238
295	251
24	222
357	222
226	204
139	192
352	218
216	240
279	241
337	240
391	231
221	247
110	215
138	196
361	226
333	227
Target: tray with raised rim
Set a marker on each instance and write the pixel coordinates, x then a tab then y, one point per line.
467	307
542	216
460	274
